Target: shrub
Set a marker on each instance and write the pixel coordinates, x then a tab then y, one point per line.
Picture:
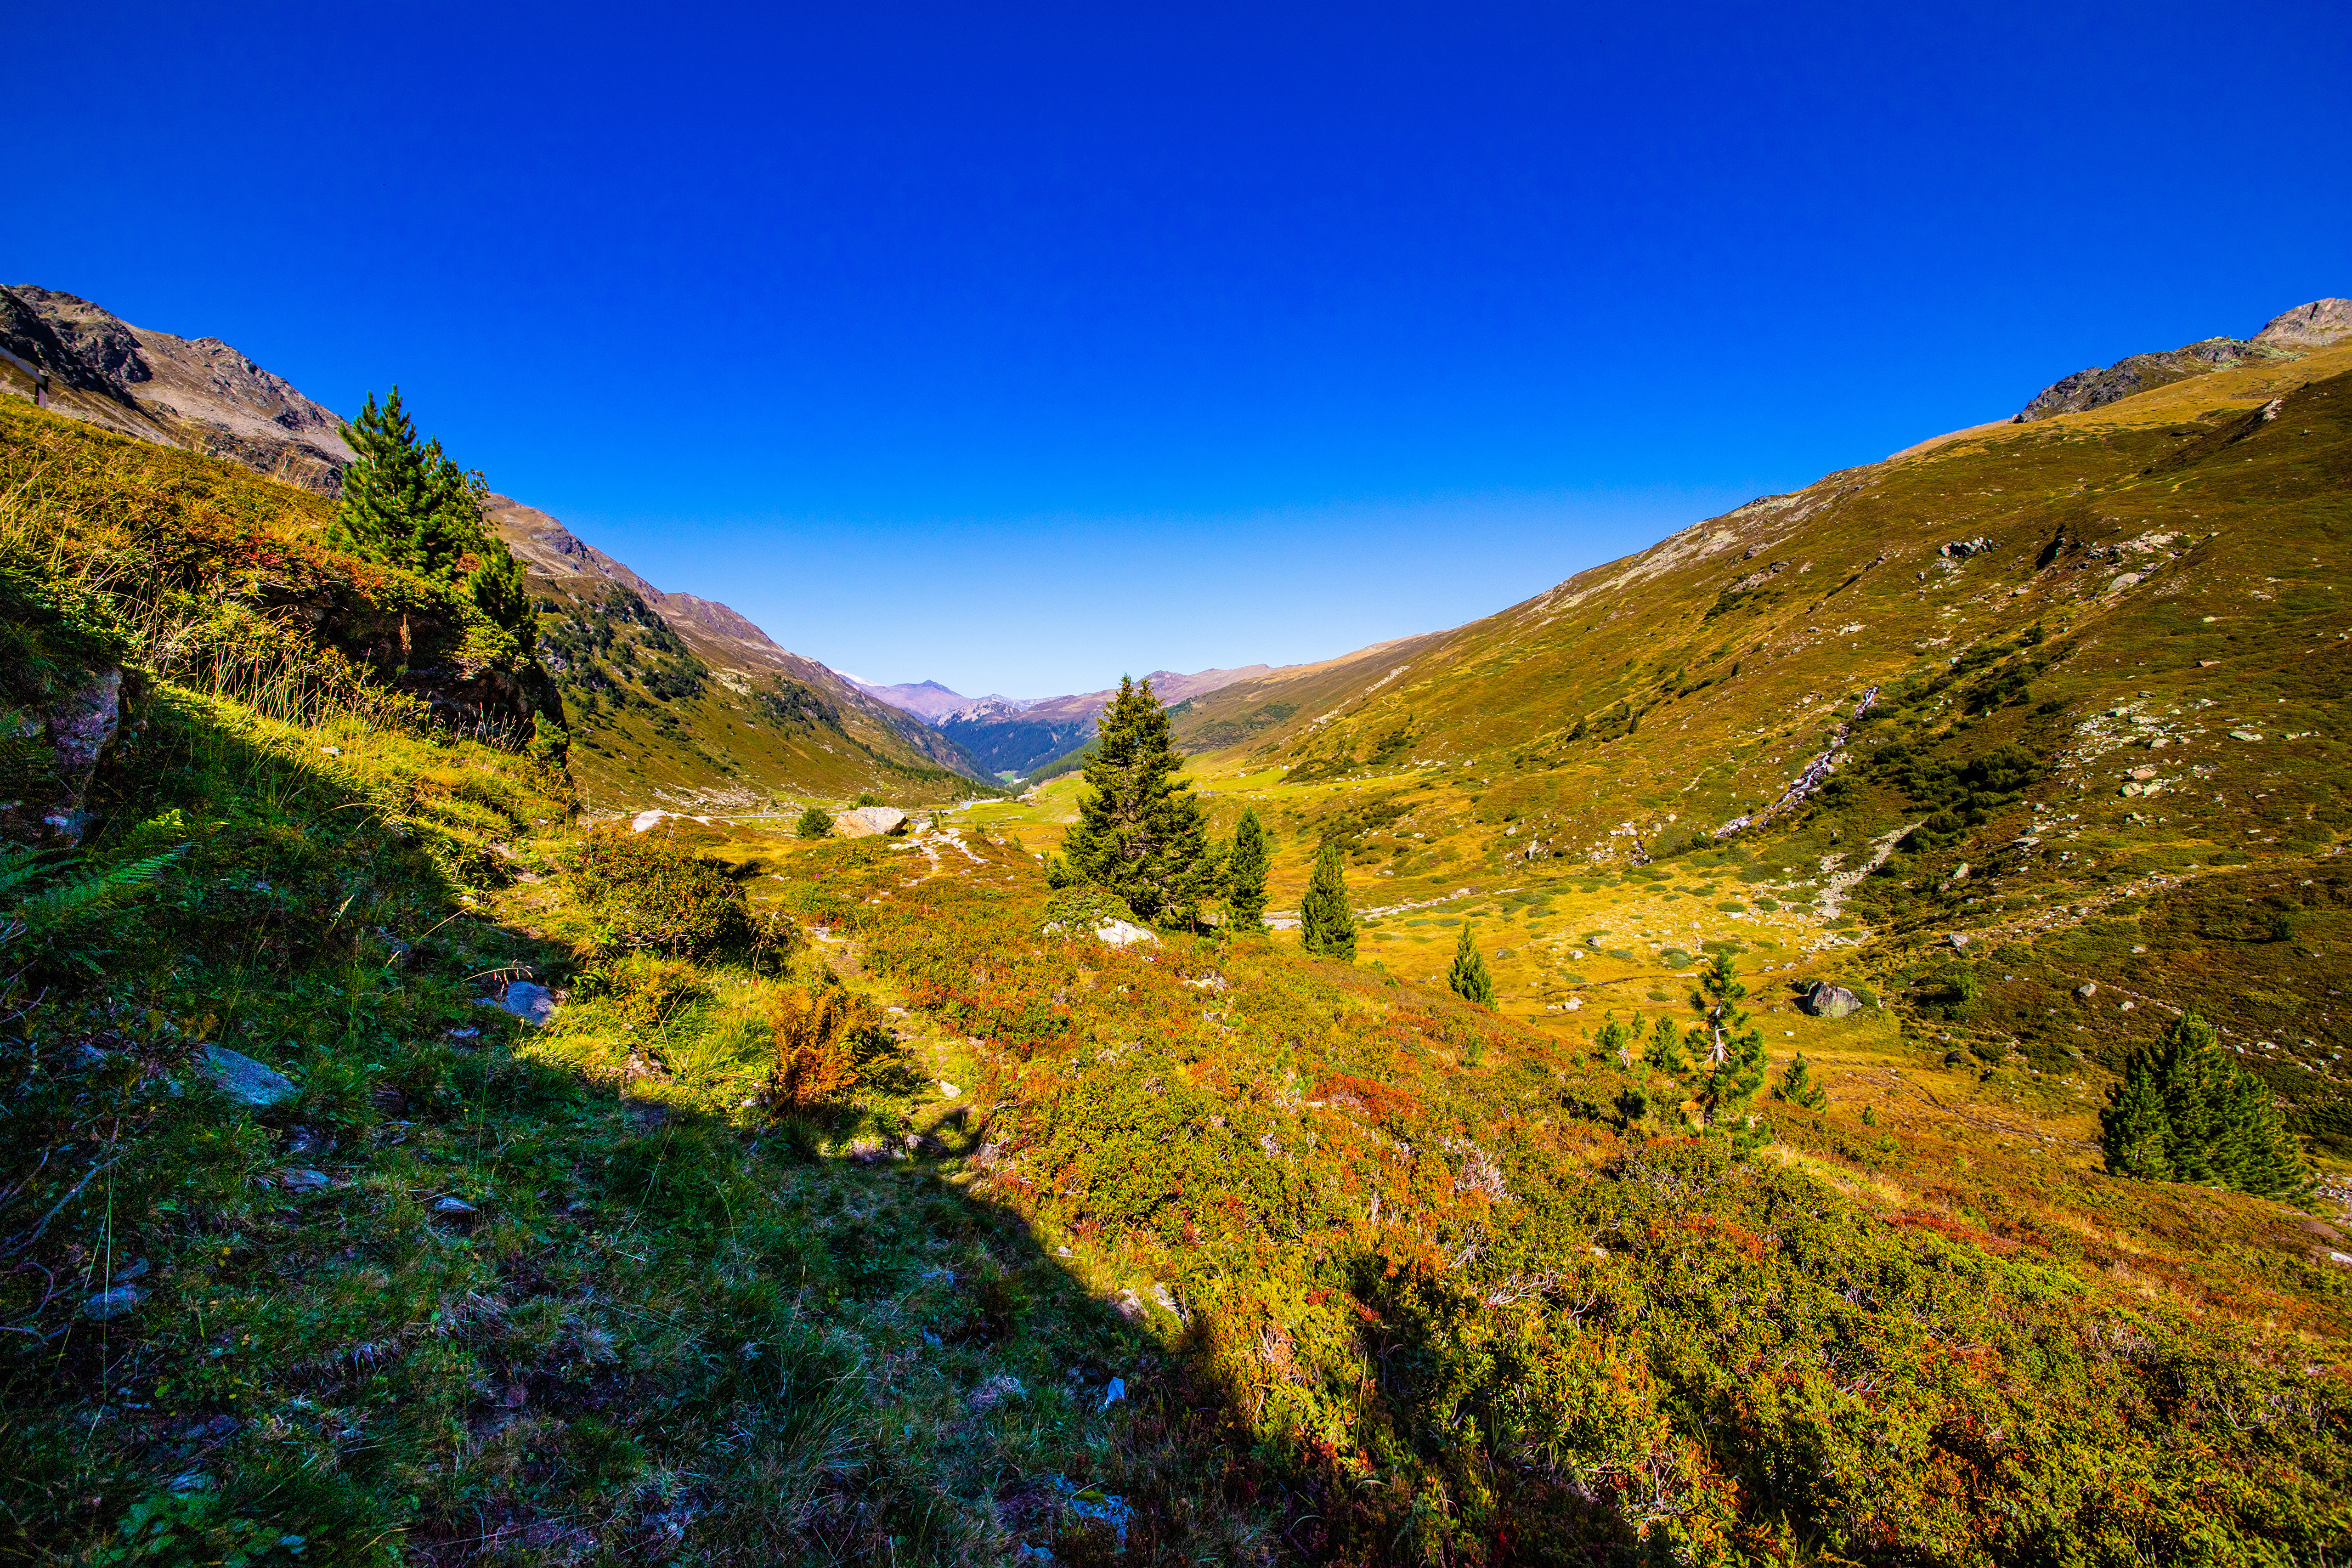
646	890
814	823
818	1040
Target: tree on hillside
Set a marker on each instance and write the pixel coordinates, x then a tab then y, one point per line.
2186	1112
1140	832
1734	1050
1324	926
814	823
1245	871
405	501
1469	978
1666	1052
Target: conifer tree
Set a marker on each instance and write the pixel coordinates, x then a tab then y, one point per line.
1798	1088
2186	1112
404	500
1324	926
1245	873
1666	1053
1469	978
1734	1050
814	824
1140	832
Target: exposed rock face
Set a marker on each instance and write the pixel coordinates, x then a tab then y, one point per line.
2312	326
1828	1000
199	393
80	727
2315	325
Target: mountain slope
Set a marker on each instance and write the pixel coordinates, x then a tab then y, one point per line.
199	393
1012	738
2074	688
673	694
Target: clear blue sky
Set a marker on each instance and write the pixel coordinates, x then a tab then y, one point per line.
1016	346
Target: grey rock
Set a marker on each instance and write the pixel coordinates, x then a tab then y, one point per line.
454	1208
245	1080
2088	989
1828	1000
1122	933
865	821
120	1302
531	1003
1955	1059
1962	549
136	1269
304	1180
2312	326
1958	938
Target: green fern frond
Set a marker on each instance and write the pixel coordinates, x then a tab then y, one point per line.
54	909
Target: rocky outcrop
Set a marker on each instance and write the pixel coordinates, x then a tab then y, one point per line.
200	394
2315	325
2312	326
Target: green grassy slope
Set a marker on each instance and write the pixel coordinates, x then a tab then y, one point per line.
1193	1252
2108	745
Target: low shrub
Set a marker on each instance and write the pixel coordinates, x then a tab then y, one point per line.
645	890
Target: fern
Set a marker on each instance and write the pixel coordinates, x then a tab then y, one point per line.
55	909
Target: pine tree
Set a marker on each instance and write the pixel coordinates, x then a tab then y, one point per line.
2185	1112
404	500
1324	926
1245	871
1734	1050
1666	1053
1140	832
814	824
1469	977
1798	1088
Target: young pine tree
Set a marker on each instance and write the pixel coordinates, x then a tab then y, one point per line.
1666	1052
1469	978
2186	1112
1324	926
1734	1050
1140	832
1245	871
403	501
1798	1088
814	823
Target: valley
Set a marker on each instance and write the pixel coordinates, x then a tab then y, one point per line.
472	1098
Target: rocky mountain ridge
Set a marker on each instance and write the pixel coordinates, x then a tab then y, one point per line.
2286	336
197	393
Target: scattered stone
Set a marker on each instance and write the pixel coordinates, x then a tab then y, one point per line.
1958	939
2245	734
531	1003
108	1305
1828	1000
454	1208
1115	1392
2088	989
997	1390
1962	549
1955	1059
303	1181
245	1080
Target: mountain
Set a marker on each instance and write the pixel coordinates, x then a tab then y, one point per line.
199	393
2039	727
1014	737
2315	325
682	696
723	711
925	699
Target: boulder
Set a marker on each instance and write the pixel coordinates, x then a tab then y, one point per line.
865	821
531	1003
2088	989
1828	1000
117	1302
1122	933
245	1080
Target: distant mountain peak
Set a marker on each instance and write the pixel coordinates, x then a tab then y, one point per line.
2287	335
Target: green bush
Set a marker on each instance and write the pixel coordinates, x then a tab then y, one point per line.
645	890
814	823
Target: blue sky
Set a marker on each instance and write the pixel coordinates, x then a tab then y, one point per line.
1018	346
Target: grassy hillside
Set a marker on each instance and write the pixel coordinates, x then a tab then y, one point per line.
2107	745
849	1202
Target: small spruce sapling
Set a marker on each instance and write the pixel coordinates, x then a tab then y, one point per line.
814	823
1324	926
1798	1088
1469	978
1735	1049
1244	874
1666	1053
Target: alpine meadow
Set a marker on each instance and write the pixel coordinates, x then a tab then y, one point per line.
1818	1042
